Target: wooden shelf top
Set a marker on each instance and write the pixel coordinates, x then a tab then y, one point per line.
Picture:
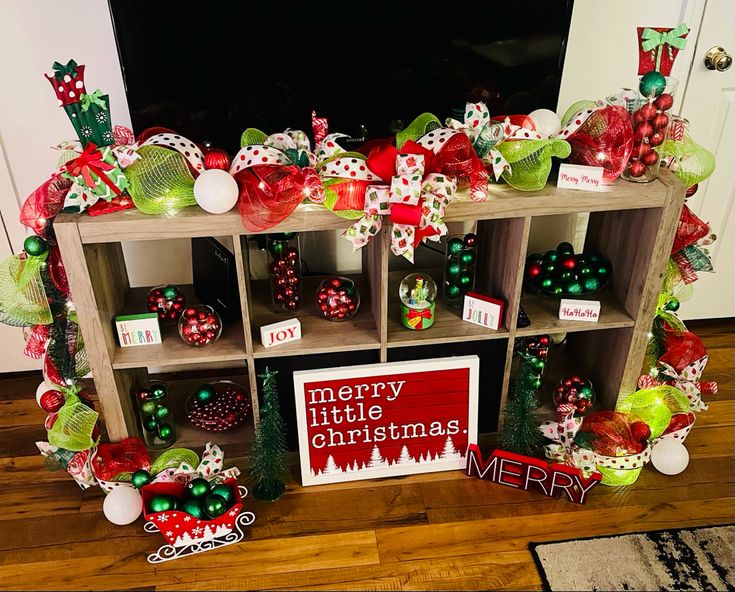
544	314
318	334
504	202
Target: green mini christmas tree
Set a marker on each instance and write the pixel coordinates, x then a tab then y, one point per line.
268	462
521	432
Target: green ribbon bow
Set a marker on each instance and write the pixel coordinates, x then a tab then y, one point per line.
298	157
654	39
61	70
94	98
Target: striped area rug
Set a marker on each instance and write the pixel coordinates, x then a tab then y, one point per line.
678	559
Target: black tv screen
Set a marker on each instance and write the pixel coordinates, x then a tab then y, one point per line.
210	70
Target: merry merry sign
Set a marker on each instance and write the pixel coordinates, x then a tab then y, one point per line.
379	420
525	472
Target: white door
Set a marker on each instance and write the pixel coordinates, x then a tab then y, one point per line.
709	105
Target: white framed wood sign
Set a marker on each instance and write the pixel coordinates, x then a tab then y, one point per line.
382	420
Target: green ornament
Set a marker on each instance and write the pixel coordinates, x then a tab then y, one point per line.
593	257
547	283
158	390
567	275
453	291
205	393
550	267
584	271
558	290
453	269
163	503
35	246
565	249
150	424
603	269
537	383
672	305
573	287
585	392
166	431
534	258
550	256
277	247
214	506
198	488
467	258
193	507
225	491
465	279
149	407
652	84
591	284
162	412
350	289
140	478
455	246
288	235
170	292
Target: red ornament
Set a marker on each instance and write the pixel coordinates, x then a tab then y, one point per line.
636	169
639	118
533	270
647	111
692	190
660	121
217	159
664	102
650	159
50	421
51	401
641	149
656	138
643	131
568	261
640	432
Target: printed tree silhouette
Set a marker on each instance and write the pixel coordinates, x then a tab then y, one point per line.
268	453
376	459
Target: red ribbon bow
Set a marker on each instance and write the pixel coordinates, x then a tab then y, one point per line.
88	162
419	314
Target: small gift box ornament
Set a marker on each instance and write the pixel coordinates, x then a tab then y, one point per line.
96	171
417	293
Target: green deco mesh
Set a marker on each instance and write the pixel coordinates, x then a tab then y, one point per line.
23	300
74	425
530	161
160	181
690	162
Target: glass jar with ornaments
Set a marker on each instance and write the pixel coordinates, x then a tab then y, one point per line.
284	270
155	414
564	274
200	325
459	268
218	406
417	293
651	117
337	298
573	394
167	302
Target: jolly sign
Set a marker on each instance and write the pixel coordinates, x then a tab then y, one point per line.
379	420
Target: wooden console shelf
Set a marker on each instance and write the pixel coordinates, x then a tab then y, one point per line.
633	225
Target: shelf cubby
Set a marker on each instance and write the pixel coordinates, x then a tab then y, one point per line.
631	224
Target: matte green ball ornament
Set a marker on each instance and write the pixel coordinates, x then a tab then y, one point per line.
140	478
547	283
35	246
205	393
652	84
603	269
455	246
535	258
550	256
158	390
225	491
288	235
277	247
193	507
549	267
166	431
453	291
465	279
150	424
567	275
163	503
453	269
149	407
214	506
467	258
198	488
565	249
162	412
585	271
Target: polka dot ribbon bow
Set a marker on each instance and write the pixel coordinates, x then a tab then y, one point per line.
414	200
563	449
210	468
484	134
687	381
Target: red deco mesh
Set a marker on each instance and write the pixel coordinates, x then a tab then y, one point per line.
41	206
614	433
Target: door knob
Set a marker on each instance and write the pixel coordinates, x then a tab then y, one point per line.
717	59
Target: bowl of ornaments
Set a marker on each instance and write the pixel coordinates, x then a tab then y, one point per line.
337	298
563	274
218	406
200	325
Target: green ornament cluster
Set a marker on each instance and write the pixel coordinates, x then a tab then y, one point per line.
459	270
202	500
155	413
562	273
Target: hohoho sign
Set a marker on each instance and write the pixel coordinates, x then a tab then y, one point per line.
378	420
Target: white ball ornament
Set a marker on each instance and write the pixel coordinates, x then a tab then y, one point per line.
547	122
216	191
123	505
669	456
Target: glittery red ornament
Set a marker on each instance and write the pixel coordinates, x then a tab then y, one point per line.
656	138
636	169
643	131
650	159
660	121
647	111
217	159
664	102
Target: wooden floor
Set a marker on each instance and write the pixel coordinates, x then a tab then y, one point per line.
442	531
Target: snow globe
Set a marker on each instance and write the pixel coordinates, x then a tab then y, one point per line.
417	292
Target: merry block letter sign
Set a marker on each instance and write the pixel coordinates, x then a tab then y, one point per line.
380	420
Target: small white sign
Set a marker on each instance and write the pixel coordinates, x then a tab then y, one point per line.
482	310
579	310
140	329
577	176
282	332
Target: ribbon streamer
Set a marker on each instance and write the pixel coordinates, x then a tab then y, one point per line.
484	134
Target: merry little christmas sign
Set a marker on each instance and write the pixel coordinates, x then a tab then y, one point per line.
380	420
